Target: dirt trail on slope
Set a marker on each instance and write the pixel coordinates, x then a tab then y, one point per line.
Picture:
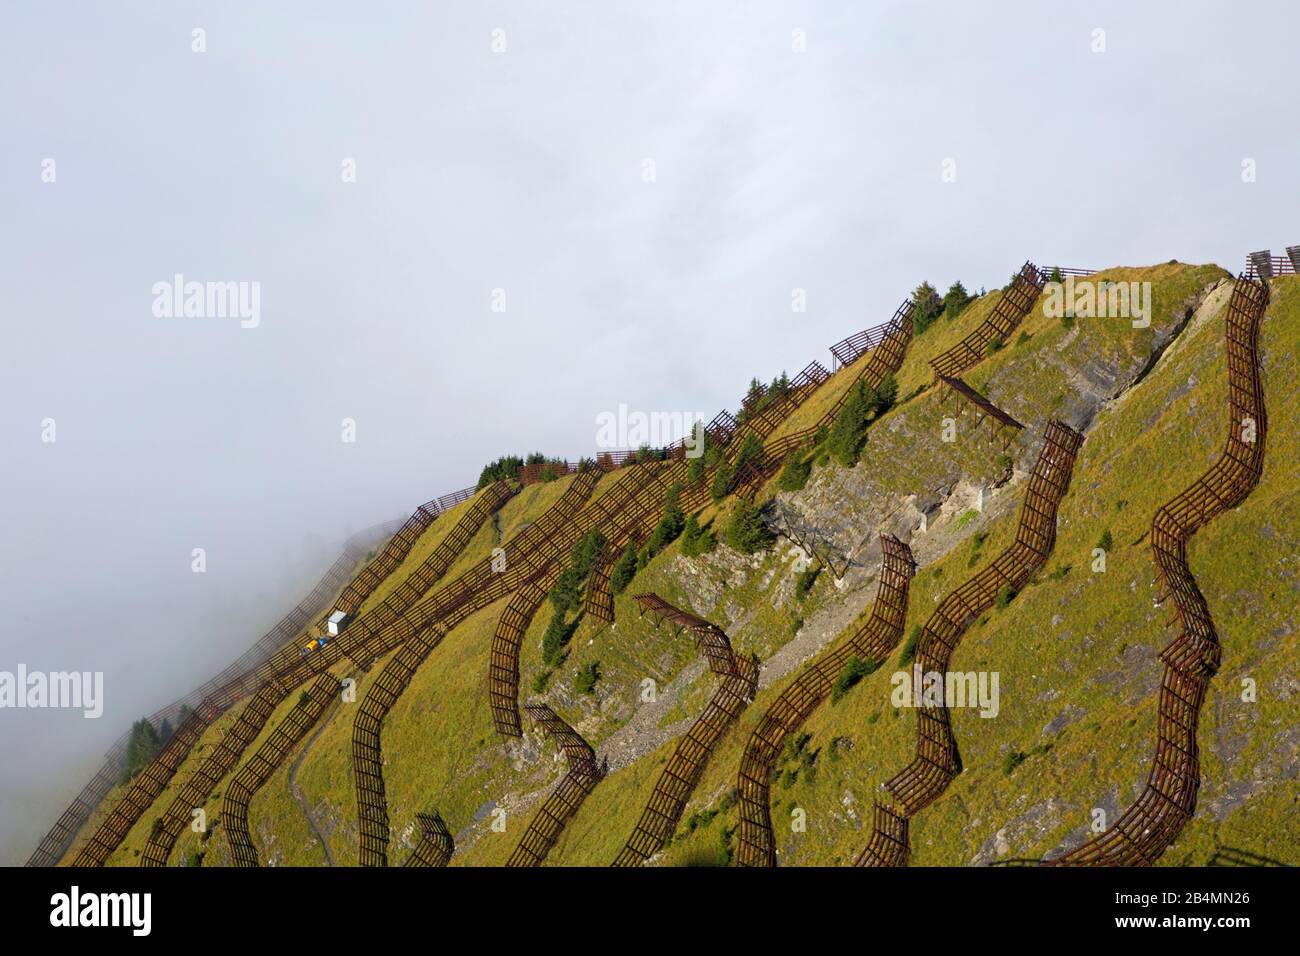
296	791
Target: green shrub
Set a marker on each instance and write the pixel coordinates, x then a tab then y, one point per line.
1015	758
1106	541
670	524
540	681
757	399
721	481
584	681
1005	596
794	474
955	301
926	307
142	746
849	431
557	638
909	646
884	397
565	594
853	671
805	581
746	531
623	571
696	540
994	346
507	466
695	466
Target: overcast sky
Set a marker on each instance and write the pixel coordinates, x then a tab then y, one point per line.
523	170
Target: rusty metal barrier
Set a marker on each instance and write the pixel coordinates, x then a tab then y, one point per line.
372	808
1007	315
143	791
886	359
1264	266
937	760
888	353
367	757
738	680
436	845
379	631
525	555
598	601
270	660
254	774
398	547
849	350
630	495
1151	824
503	667
539	566
1003	423
888	845
562	802
440	560
57	841
287	668
872	643
201	783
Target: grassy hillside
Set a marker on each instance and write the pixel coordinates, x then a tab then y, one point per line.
1075	651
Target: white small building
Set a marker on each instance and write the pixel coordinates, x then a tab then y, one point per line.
335	622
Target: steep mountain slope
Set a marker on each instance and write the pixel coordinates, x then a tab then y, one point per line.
1074	650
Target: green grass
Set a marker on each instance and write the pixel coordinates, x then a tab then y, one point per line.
1075	650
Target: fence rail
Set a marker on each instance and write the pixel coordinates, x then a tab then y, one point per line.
269	659
563	802
1151	824
872	643
436	844
214	768
1265	265
57	841
1009	312
254	774
937	761
737	683
287	668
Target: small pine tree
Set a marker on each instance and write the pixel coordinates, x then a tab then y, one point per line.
955	300
142	746
794	474
926	306
584	681
556	638
623	571
850	427
804	582
670	524
746	531
853	672
883	398
696	540
909	646
722	481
